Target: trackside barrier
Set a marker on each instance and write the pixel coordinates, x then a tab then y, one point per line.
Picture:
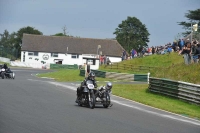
61	66
7	60
33	65
119	76
178	89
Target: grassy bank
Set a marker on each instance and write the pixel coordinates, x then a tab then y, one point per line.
141	94
169	66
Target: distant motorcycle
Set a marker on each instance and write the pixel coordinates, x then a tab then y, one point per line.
2	73
9	74
87	97
102	95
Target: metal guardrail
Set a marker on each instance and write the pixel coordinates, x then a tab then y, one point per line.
182	90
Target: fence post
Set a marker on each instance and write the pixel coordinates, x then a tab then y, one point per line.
148	78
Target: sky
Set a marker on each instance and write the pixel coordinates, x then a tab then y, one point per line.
96	18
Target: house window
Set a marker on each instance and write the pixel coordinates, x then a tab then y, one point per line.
75	56
33	53
54	54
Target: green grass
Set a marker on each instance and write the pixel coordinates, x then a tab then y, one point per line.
141	94
68	75
168	66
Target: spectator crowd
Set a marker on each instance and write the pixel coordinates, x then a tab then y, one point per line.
189	50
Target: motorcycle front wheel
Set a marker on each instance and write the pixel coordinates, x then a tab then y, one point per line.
92	100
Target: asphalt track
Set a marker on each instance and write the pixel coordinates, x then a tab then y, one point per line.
38	105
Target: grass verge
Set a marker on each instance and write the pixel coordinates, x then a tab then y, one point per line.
141	94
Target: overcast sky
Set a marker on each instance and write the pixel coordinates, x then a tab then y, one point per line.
96	18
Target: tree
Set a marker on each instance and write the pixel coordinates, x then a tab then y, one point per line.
59	34
193	17
64	33
19	35
4	42
7	40
131	33
64	30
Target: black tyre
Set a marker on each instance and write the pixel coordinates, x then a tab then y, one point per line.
107	102
92	100
79	101
2	76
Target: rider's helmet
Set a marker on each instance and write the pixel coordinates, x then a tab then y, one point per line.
109	86
5	65
91	76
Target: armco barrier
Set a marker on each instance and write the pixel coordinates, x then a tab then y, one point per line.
2	59
82	72
97	73
140	77
182	90
101	74
61	66
118	76
33	65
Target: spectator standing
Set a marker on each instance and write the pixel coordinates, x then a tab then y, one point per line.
197	53
101	59
186	51
104	59
153	50
123	55
132	53
169	49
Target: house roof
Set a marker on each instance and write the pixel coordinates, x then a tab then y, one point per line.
59	44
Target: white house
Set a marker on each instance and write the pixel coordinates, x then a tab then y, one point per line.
39	49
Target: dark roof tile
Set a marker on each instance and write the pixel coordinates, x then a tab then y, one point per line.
59	44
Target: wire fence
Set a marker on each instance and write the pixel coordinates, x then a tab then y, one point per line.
120	66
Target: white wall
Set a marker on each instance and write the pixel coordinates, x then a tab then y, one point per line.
115	59
66	59
33	65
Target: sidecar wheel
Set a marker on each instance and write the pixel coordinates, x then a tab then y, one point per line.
107	102
79	104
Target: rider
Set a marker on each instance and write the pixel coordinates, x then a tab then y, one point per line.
91	76
5	66
108	87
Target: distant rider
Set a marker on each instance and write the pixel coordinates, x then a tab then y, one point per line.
5	66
